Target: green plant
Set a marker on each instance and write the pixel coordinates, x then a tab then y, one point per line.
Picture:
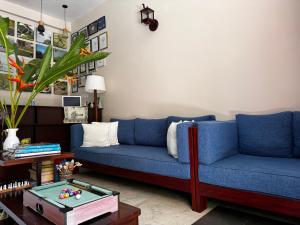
37	74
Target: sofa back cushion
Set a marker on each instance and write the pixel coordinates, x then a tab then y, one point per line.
125	131
296	129
151	132
266	135
196	119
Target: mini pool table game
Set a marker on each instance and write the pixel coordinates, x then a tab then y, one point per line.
70	202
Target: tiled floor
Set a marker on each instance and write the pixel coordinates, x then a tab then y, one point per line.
159	206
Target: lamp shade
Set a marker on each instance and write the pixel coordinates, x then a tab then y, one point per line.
95	82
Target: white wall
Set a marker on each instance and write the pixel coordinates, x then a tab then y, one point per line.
207	56
26	15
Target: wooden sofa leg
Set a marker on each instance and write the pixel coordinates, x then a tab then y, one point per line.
201	204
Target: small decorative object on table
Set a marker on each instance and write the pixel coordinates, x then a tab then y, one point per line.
66	169
76	114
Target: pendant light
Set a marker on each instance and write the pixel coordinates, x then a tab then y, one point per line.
41	28
65	30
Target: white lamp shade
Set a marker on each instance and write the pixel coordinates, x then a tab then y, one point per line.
95	82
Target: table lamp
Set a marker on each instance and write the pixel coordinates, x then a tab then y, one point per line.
95	84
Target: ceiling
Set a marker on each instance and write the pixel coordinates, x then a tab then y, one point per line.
77	8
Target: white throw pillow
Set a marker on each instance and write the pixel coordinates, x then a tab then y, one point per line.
172	139
112	133
95	135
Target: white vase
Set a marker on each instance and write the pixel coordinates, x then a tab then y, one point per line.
11	141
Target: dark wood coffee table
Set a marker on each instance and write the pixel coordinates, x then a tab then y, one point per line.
12	204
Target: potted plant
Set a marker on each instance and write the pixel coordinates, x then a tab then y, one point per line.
36	75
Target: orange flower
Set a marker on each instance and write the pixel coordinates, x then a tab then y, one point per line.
25	85
13	63
84	52
17	80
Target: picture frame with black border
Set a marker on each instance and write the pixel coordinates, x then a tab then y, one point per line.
74	36
75	86
101	23
103	41
92	66
82	69
100	63
92	28
81	81
85	32
94	44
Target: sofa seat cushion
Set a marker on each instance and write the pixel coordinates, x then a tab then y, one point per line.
134	157
266	135
275	176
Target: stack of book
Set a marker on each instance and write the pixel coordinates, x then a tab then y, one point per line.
47	172
37	149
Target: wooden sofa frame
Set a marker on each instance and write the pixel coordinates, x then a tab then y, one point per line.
184	185
276	204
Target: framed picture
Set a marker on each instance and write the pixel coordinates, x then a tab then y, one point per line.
101	23
81	81
75	114
94	44
74	36
25	31
59	41
84	31
100	63
25	48
91	66
46	90
57	54
11	28
93	28
103	41
67	101
75	86
61	87
83	68
40	51
44	38
11	40
4	83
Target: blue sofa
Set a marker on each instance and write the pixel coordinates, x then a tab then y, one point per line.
142	154
252	161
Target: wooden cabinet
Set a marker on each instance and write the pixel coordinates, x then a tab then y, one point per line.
45	124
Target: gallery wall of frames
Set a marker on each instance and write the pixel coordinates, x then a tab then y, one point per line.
97	40
31	45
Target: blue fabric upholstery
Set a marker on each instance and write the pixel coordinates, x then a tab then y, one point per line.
151	132
216	140
296	129
266	135
76	136
182	134
125	131
277	176
138	158
198	118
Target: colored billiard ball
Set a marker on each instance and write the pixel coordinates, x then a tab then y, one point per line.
78	196
61	196
66	195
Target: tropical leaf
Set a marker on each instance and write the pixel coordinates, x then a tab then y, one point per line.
4	24
45	64
30	70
